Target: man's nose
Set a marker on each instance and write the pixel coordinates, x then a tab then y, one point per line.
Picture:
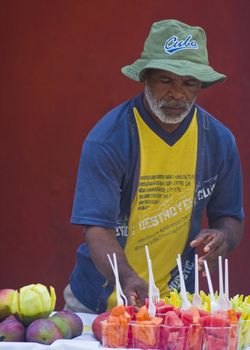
177	92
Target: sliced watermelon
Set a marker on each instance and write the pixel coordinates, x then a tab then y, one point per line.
171	319
131	311
174	337
216	338
214	321
186	317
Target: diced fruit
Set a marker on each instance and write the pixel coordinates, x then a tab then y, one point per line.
213	321
115	328
145	335
186	317
142	314
171	319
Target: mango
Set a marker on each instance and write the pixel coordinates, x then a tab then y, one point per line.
69	323
11	330
9	300
35	302
62	324
43	331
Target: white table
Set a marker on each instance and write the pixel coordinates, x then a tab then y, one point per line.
84	342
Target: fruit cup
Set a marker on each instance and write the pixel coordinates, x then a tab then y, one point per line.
114	334
217	338
195	337
145	335
174	337
234	337
244	334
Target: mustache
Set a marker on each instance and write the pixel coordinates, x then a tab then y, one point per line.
173	104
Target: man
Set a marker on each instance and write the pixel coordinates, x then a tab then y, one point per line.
148	171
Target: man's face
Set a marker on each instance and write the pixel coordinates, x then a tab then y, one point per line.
169	96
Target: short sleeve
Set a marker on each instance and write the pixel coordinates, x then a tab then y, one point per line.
98	187
227	196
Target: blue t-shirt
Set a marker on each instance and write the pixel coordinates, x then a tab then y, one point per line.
107	179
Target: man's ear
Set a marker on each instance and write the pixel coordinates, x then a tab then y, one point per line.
143	76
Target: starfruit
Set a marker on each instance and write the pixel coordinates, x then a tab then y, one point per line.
35	301
9	303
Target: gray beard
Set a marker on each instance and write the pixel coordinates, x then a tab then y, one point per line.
156	108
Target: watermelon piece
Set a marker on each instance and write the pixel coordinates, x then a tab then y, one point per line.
171	319
131	311
214	321
186	317
174	337
217	338
203	313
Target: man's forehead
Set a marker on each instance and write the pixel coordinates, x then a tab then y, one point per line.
165	73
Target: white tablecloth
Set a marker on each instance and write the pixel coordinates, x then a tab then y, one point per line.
84	342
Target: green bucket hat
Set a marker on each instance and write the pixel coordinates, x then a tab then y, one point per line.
176	47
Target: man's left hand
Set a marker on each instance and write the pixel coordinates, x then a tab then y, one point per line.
211	242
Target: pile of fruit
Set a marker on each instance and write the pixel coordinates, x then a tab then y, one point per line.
27	315
175	328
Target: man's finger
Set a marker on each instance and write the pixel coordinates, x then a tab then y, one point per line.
203	238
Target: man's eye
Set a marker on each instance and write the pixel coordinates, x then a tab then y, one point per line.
191	83
165	80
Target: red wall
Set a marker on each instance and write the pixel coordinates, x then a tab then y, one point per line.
60	72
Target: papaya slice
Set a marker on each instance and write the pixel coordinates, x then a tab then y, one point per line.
142	314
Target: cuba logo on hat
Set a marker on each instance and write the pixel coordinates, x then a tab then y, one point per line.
173	44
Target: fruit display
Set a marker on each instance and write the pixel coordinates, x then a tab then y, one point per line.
172	328
27	315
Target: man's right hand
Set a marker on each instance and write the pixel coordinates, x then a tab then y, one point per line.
136	290
102	241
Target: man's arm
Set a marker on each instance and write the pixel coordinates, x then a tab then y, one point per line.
102	241
223	235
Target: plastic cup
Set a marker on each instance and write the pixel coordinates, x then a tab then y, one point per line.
114	335
174	337
217	338
195	337
234	337
244	334
145	336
